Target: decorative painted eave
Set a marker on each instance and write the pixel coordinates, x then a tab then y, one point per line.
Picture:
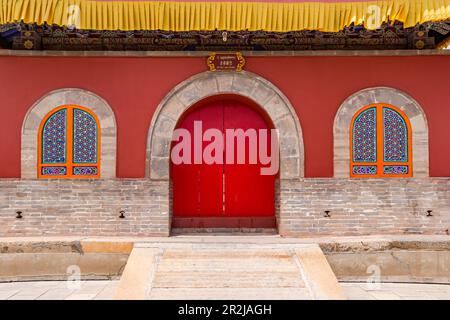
445	44
252	15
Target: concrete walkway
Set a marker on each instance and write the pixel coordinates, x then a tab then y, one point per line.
396	291
58	290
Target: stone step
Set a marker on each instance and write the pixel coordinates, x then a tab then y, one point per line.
239	279
226	254
227	268
224	231
199	269
229	294
221	268
222	264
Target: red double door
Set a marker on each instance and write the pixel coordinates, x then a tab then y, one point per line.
223	195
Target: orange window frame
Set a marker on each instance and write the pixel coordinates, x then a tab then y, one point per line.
69	164
380	163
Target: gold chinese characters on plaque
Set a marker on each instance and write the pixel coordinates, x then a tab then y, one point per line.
226	61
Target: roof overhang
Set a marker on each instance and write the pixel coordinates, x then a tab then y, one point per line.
251	15
267	25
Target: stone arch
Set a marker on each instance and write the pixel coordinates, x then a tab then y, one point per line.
69	96
391	96
208	84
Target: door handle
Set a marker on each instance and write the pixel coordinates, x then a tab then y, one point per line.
223	193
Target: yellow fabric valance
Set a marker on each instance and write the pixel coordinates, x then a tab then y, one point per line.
232	16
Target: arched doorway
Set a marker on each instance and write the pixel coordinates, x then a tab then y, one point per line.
188	93
218	185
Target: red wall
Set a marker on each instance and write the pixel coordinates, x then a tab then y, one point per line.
316	86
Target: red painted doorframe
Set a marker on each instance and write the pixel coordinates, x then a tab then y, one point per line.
228	195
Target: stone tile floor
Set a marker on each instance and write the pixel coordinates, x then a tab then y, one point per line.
396	291
104	290
58	290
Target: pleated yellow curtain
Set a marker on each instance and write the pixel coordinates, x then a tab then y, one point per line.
233	16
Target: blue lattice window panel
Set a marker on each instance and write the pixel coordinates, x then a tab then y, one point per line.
380	143
54	140
69	144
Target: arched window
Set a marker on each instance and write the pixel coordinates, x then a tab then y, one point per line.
69	144
380	140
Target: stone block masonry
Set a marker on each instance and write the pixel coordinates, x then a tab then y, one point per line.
365	207
357	207
84	207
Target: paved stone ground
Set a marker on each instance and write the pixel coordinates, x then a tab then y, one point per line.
104	290
396	291
58	290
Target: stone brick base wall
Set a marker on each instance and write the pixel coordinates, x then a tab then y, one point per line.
365	207
84	207
92	208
